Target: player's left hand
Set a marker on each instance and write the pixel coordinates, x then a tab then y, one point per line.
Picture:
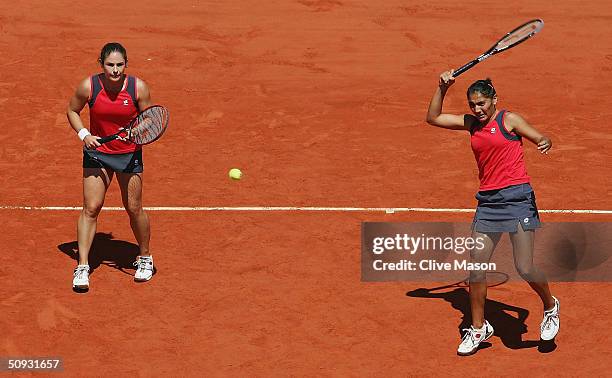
544	145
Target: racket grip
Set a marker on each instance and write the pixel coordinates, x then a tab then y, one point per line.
107	139
464	68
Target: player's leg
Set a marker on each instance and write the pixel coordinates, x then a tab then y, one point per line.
131	193
523	246
95	184
478	278
480	330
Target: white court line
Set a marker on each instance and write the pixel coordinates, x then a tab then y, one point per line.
298	208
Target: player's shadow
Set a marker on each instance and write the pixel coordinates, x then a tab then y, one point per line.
106	250
508	321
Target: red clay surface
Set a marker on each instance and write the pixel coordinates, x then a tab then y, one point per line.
321	103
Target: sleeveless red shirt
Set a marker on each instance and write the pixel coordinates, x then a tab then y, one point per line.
107	114
499	155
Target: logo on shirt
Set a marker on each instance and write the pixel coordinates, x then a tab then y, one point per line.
493	130
126	102
526	220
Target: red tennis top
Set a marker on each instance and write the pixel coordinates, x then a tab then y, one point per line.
499	155
107	114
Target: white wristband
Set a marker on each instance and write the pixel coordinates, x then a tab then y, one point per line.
83	133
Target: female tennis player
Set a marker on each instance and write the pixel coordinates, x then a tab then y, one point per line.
114	98
506	201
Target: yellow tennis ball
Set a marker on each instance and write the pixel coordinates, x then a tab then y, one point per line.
235	174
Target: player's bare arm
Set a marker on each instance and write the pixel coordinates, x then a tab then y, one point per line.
144	96
520	126
435	117
75	106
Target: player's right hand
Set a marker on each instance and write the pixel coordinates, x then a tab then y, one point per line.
91	142
446	79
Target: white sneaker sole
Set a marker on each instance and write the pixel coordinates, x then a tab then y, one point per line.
550	338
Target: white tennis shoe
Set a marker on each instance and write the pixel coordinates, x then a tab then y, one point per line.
473	337
551	323
81	277
144	268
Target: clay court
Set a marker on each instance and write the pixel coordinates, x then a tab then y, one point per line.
321	103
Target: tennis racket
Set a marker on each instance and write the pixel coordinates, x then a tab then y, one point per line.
515	37
147	127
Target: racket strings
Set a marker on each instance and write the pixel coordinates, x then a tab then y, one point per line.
520	34
149	125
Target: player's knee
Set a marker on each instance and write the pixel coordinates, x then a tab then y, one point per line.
526	271
479	254
92	209
133	210
478	276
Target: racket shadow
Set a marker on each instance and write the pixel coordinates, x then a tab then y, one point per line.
508	328
106	250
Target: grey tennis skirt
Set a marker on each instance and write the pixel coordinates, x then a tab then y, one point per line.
122	163
502	210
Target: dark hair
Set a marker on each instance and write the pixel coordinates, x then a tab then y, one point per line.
112	47
484	87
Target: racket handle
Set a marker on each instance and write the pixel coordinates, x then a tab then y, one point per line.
107	139
464	68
